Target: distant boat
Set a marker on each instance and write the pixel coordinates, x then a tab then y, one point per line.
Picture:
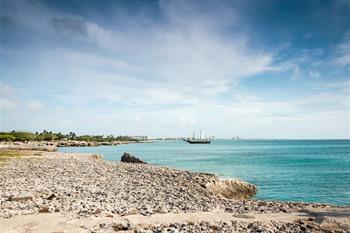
200	140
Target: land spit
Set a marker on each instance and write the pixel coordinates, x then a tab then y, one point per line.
52	146
61	192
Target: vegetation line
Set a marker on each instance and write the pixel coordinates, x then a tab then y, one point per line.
50	136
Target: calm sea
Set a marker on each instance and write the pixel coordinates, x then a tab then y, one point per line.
290	170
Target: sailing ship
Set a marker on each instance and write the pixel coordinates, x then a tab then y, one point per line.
200	140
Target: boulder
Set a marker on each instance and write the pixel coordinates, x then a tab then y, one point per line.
128	158
232	189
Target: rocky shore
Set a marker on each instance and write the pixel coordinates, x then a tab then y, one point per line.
94	195
52	146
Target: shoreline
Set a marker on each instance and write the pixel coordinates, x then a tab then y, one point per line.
275	189
84	186
52	146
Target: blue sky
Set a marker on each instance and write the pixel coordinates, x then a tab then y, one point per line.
257	69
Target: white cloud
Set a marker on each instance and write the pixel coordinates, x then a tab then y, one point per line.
166	78
7	104
343	52
5	90
8	98
297	74
35	105
343	60
246	116
301	62
314	74
186	50
184	60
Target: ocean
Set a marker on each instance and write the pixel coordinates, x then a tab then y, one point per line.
287	170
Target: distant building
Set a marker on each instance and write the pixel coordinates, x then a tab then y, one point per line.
140	138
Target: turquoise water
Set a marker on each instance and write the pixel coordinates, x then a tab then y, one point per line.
290	170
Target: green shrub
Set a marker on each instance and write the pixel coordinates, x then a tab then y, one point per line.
23	136
49	136
7	137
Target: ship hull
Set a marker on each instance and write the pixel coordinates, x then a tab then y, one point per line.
198	141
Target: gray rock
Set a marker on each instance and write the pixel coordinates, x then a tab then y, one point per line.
128	158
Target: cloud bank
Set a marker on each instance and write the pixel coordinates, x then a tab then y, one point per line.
186	67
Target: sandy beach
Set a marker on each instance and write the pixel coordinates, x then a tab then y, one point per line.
62	192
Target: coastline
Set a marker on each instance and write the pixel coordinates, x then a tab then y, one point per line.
52	146
101	194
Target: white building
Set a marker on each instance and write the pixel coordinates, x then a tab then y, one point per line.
141	138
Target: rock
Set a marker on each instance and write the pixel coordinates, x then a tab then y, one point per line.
44	210
50	196
98	211
128	158
84	187
23	196
232	189
121	226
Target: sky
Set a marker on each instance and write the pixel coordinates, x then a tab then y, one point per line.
253	69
